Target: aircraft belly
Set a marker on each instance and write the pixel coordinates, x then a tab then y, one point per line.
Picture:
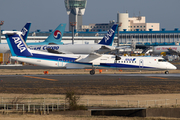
38	62
83	50
4	48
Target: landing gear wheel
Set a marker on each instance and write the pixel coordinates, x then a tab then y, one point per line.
92	72
166	72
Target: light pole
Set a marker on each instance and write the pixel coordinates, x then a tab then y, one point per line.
73	24
1	23
118	37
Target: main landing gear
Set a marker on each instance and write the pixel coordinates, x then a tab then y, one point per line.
166	72
92	72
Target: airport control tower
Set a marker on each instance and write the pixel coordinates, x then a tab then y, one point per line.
75	10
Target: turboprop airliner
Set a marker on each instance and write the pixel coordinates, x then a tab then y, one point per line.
54	38
103	46
21	52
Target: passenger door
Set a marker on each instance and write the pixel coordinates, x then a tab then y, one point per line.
141	63
60	62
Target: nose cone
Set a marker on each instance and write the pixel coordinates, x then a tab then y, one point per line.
171	67
174	67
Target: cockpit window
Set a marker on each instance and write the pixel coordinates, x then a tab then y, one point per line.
161	60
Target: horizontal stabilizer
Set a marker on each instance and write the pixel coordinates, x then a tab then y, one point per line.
11	32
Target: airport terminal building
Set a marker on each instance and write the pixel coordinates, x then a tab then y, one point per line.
150	37
162	37
128	24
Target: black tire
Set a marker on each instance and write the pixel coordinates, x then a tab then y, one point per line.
166	72
92	72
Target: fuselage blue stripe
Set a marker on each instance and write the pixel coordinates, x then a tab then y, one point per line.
72	60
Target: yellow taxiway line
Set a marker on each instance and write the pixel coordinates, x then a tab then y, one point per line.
41	78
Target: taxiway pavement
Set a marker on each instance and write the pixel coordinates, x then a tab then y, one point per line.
88	84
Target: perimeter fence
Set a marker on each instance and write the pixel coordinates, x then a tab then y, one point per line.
46	105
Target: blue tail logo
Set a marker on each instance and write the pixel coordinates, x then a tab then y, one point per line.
109	37
17	46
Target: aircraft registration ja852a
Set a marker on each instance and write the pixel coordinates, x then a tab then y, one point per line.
21	52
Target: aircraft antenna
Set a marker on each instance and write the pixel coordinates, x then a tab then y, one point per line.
139	17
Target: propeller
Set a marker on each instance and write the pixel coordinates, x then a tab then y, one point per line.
117	57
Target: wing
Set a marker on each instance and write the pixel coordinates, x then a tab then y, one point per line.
103	49
91	58
123	47
108	50
58	52
172	51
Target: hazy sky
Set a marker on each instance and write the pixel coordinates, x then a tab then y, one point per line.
48	14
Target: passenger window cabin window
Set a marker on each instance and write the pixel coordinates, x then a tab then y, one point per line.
161	60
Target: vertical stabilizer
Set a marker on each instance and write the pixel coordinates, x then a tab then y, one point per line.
56	35
109	37
25	31
16	44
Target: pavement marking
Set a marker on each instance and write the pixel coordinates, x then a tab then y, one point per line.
158	77
41	78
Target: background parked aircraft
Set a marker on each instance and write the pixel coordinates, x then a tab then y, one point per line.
172	50
103	46
54	38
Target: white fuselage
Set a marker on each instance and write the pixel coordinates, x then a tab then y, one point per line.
71	48
70	61
68	49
